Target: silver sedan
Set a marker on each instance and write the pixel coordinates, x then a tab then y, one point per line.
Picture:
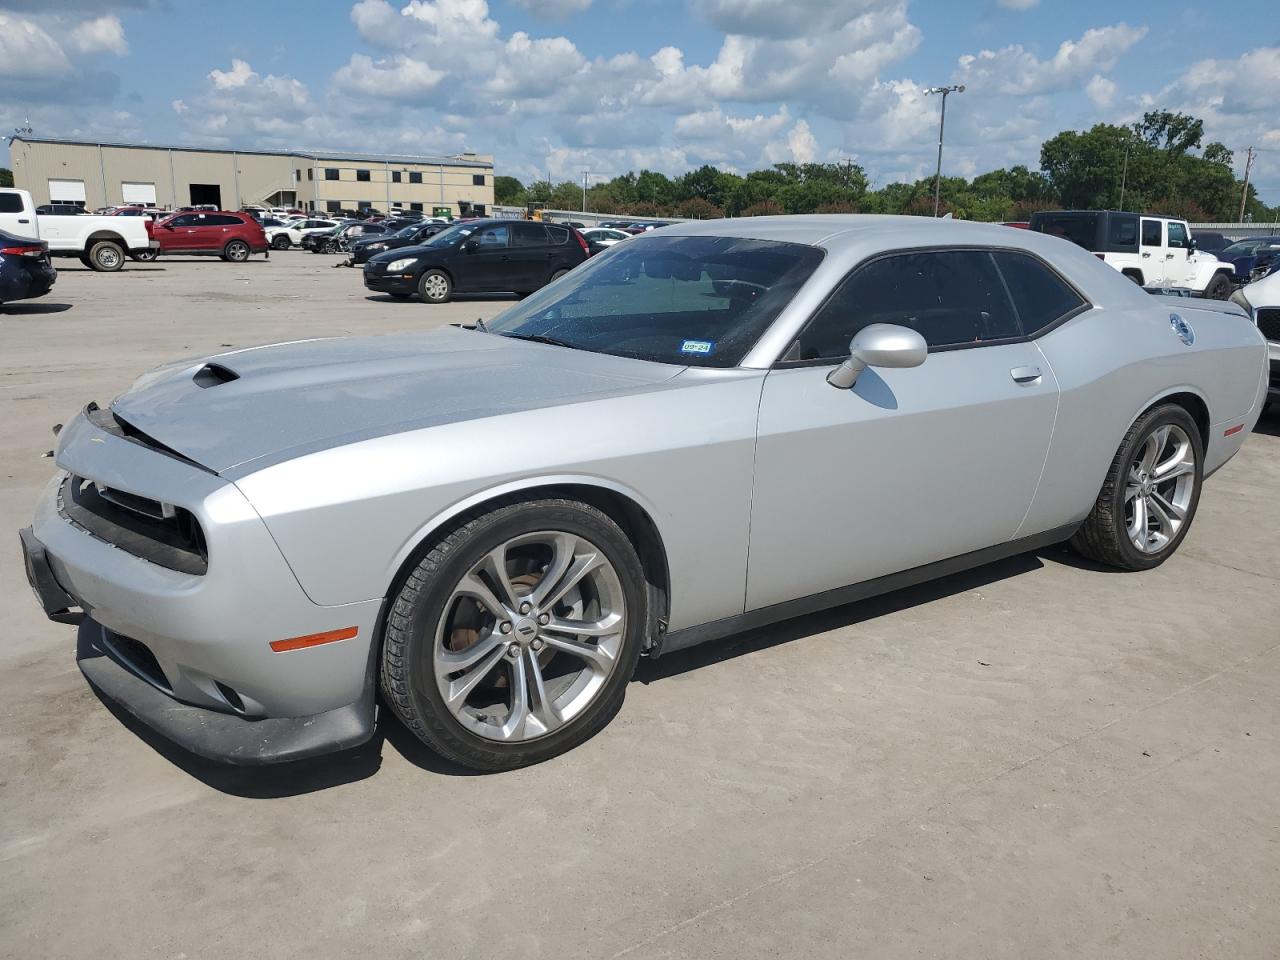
707	428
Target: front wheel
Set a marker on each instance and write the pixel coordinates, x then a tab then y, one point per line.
237	251
514	638
435	287
1219	287
1150	494
280	242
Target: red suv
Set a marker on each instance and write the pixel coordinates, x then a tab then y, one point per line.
218	233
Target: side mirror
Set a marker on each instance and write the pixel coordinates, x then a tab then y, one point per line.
1191	245
471	246
879	345
168	226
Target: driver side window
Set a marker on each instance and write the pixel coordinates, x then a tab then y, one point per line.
950	297
492	237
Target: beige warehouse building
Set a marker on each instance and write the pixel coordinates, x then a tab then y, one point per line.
96	175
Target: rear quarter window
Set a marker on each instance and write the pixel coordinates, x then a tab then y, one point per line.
1040	296
10	203
558	234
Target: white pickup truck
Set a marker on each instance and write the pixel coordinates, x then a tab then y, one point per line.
100	242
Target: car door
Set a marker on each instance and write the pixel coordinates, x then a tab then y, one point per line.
179	234
484	261
1177	260
531	254
1153	252
910	466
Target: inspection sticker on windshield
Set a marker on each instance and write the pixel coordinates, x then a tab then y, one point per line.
696	346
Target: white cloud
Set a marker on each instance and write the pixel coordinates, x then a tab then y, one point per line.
800	146
241	105
1015	70
26	50
1101	90
1018	5
398	78
238	76
102	34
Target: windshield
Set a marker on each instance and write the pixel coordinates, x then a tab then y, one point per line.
451	235
700	301
1247	248
406	232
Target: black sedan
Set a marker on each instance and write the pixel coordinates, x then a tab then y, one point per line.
25	270
411	236
478	256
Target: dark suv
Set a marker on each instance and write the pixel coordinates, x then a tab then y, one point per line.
478	256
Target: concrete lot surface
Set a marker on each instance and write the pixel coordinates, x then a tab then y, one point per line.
1036	759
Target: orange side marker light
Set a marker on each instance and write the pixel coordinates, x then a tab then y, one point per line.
1232	431
314	639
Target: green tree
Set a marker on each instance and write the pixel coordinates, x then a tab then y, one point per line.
6	177
1175	132
508	190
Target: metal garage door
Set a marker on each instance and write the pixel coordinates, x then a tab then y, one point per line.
139	193
66	191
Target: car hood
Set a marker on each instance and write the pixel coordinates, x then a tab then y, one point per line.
267	404
417	250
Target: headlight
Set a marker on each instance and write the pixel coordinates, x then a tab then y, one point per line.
395	266
377	246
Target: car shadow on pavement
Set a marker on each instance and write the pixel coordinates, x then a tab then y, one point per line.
1269	424
457	298
32	309
799	628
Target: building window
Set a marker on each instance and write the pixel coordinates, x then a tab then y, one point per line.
333	206
415	206
311	174
362	176
415	177
331	173
477	179
395	176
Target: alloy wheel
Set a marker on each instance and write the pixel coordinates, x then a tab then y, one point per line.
529	636
1159	488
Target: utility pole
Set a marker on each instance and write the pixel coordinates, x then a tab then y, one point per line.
1124	172
942	126
1244	194
584	190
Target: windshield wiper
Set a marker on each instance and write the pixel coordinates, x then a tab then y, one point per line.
542	338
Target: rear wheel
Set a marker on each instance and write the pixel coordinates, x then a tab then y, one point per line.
106	256
434	286
145	256
557	275
1219	287
514	638
1150	494
280	242
236	251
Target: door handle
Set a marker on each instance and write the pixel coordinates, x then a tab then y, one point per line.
1147	255
1025	374
1168	256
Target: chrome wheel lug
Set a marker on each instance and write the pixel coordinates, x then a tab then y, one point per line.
526	607
536	645
544	619
506	626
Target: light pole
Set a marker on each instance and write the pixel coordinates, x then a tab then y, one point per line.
942	126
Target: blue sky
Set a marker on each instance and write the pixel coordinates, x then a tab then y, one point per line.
611	85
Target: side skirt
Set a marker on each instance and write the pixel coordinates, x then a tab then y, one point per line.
718	629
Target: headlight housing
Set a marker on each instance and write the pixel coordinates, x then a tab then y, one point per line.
404	263
377	246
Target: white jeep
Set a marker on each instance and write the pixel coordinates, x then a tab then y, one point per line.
1152	251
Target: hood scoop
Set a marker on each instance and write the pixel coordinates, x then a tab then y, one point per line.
214	374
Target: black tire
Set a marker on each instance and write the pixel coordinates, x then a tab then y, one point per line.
556	275
281	242
1219	287
1102	537
408	681
1135	276
330	246
435	286
145	256
86	261
106	256
236	251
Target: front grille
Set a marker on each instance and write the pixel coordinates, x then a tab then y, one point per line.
1269	322
161	533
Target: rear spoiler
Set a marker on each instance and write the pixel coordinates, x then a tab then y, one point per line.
1182	301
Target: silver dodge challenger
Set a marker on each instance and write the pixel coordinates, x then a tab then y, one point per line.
710	427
